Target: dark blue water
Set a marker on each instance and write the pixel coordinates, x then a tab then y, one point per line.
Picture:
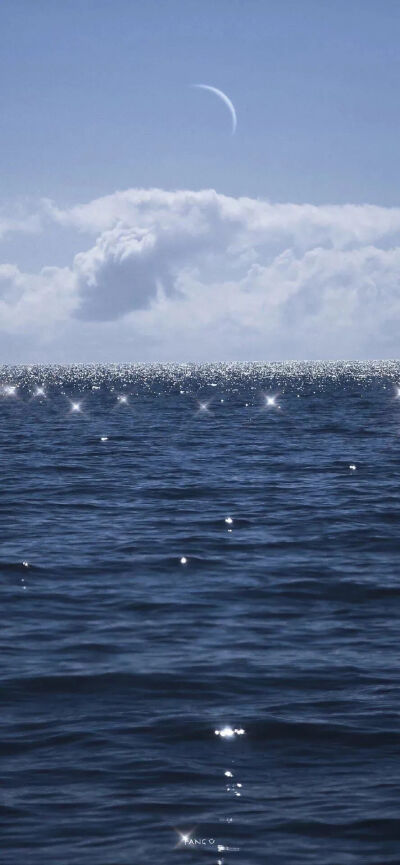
119	663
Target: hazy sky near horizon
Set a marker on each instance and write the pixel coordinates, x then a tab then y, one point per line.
135	226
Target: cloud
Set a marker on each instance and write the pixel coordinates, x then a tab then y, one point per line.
33	302
18	220
200	275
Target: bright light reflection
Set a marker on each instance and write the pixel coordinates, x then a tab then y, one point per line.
40	391
229	733
184	837
123	399
203	407
75	406
10	389
270	401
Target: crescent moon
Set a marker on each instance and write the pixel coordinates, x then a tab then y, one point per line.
229	104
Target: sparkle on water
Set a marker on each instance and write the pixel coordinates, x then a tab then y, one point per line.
184	837
10	389
183	560
231	377
229	520
229	732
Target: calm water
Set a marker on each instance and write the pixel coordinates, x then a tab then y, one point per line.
119	662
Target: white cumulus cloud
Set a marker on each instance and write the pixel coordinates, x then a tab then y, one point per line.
199	275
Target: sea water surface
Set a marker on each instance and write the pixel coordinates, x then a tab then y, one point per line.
200	629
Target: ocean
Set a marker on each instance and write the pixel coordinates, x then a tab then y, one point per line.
200	599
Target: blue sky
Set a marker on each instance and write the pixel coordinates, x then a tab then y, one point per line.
96	97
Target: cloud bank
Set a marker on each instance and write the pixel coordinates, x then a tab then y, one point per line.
187	275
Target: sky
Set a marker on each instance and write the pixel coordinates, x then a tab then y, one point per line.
135	227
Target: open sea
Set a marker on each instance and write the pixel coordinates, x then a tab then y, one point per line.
200	614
